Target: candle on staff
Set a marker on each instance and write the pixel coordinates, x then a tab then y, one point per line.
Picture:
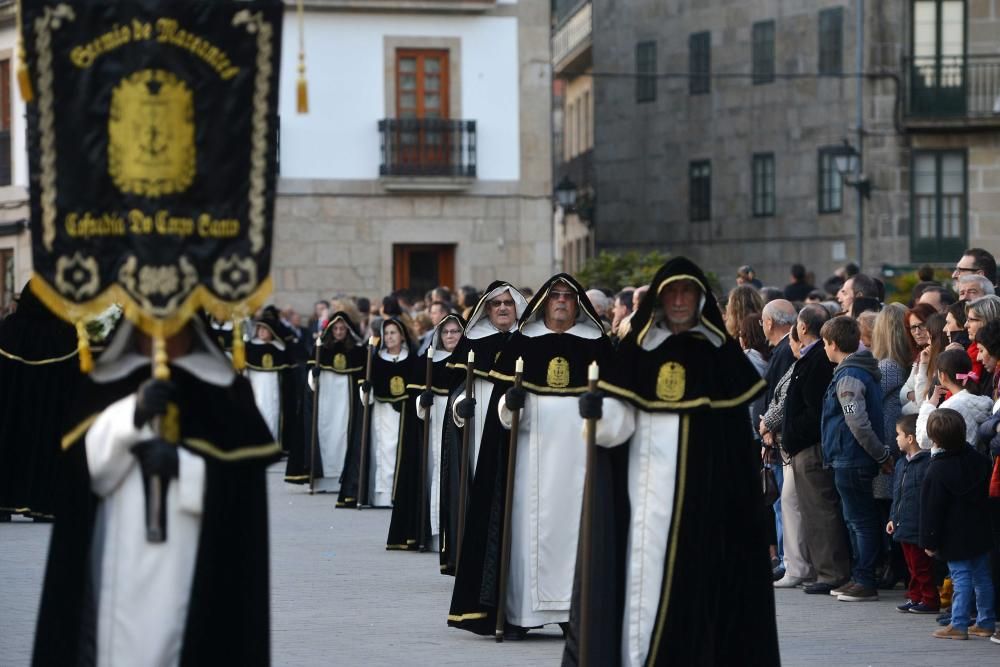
519	365
472	357
592	371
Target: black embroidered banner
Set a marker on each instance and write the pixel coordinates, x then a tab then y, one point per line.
152	152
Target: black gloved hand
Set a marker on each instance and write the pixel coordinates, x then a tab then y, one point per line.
156	457
314	371
514	398
151	401
466	408
366	386
426	399
591	404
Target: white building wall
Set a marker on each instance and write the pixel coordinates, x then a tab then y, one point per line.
338	138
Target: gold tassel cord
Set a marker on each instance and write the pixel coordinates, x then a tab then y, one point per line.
160	369
239	348
302	89
23	75
83	344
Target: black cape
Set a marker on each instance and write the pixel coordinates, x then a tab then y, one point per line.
228	617
39	372
404	527
554	365
717	601
343	358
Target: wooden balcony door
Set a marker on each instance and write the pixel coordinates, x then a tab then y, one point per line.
422	90
423	266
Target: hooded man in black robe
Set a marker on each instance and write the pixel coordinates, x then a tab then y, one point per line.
557	338
680	573
117	592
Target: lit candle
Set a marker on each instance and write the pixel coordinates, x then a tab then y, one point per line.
430	351
373	341
519	365
472	357
592	371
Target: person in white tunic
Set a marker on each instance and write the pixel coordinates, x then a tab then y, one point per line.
265	360
679	566
559	336
387	396
118	592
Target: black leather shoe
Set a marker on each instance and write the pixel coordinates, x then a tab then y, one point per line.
818	588
514	632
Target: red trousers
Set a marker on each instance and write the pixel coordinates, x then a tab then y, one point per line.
922	588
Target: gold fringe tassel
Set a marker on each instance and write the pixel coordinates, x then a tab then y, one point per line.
161	371
23	75
302	89
83	344
239	349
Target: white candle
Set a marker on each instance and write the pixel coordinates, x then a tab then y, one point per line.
519	365
373	341
472	357
430	351
592	371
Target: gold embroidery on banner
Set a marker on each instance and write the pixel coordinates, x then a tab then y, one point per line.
167	282
51	20
255	24
396	386
339	361
670	381
77	276
234	277
558	373
151	148
267	361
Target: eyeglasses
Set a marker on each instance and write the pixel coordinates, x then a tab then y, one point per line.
963	269
561	294
451	332
914	328
496	303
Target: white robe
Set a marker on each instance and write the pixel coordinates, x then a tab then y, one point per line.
652	472
142	589
267	395
483	393
433	481
384	446
333	420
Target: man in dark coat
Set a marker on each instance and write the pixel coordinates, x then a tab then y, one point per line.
679	571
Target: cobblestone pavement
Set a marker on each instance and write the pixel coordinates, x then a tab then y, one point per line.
339	599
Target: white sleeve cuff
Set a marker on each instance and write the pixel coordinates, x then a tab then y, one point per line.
191	482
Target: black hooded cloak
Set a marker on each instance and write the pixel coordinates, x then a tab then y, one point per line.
39	372
716	604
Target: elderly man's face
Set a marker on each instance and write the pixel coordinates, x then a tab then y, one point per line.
680	300
970	291
437	313
560	307
502	311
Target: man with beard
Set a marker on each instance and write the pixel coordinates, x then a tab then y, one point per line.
679	570
558	337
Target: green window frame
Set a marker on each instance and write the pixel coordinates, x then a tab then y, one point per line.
763	185
763	52
830	189
939	204
645	70
831	41
700	191
700	63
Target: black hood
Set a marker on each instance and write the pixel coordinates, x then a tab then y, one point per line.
678	268
352	328
585	309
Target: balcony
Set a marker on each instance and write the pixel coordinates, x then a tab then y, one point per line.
427	153
571	42
952	92
407	6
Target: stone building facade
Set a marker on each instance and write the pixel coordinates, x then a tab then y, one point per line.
739	166
425	158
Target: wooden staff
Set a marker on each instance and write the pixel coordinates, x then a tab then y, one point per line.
427	446
315	420
508	505
463	482
156	490
586	522
365	428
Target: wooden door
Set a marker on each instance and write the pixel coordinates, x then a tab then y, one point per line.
423	266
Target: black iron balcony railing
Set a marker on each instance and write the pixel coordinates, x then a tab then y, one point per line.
428	147
953	87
